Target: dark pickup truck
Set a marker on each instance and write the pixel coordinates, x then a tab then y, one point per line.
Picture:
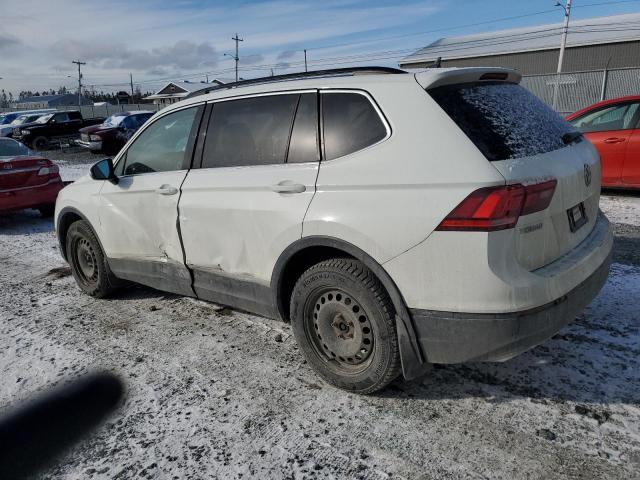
53	126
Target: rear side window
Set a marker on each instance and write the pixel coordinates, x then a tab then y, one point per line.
503	120
350	123
250	131
303	146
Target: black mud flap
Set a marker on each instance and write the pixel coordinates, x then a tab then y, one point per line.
413	362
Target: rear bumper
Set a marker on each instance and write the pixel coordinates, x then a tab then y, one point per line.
448	337
30	197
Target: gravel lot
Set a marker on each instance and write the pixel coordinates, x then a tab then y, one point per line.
219	394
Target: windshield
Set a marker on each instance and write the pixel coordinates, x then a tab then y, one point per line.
504	120
113	121
44	118
11	148
23	119
6	119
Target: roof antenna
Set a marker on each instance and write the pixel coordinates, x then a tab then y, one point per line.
437	63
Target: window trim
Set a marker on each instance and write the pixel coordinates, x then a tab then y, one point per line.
635	120
376	107
199	150
191	143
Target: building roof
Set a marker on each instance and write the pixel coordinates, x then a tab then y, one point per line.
177	89
591	31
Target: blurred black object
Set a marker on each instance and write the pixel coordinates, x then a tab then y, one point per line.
34	435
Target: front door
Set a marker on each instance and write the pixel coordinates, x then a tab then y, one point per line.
631	168
247	202
609	129
138	215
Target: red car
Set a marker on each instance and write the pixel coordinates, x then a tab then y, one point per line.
27	180
614	129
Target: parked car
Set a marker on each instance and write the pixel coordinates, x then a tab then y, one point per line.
7	130
53	126
27	180
111	135
613	126
394	219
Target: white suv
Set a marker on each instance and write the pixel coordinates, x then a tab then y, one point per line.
395	219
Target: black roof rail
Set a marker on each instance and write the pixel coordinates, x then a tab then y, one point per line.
294	76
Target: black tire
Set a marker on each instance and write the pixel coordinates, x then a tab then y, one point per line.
47	210
40	143
344	323
88	264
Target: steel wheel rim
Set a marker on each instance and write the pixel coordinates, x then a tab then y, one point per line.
339	329
86	261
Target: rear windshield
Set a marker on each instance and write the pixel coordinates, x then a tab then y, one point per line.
504	120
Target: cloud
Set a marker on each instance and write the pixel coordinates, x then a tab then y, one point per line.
7	41
251	59
286	54
182	55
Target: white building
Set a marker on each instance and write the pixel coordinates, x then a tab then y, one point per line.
173	92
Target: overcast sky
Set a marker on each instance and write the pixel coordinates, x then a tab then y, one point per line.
181	39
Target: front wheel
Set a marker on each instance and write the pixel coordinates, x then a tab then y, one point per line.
88	263
344	322
40	143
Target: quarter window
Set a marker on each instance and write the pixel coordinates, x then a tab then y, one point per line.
162	147
350	123
249	131
615	117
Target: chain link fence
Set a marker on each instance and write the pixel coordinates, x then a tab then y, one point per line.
568	92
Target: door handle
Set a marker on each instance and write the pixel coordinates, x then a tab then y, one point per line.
614	140
287	186
166	190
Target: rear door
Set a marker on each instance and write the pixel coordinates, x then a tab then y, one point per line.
246	203
529	143
138	215
609	128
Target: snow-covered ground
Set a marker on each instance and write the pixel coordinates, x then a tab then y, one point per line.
219	394
622	207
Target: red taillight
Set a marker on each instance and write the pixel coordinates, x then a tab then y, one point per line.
498	208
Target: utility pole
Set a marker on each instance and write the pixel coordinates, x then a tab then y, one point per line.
236	58
563	44
131	82
305	60
79	63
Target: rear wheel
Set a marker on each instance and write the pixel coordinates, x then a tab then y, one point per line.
88	264
344	322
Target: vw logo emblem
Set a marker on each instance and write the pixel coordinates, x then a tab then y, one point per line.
587	175
7	166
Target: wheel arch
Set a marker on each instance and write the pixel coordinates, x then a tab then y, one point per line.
303	253
66	217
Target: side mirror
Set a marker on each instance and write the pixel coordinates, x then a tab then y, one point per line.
103	170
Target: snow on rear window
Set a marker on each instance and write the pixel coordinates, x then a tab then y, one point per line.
503	120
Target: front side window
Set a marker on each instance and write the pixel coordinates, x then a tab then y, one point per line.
350	123
249	131
614	117
162	147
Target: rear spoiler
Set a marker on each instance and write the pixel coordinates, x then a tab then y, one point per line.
436	77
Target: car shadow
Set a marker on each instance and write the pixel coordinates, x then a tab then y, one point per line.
24	222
